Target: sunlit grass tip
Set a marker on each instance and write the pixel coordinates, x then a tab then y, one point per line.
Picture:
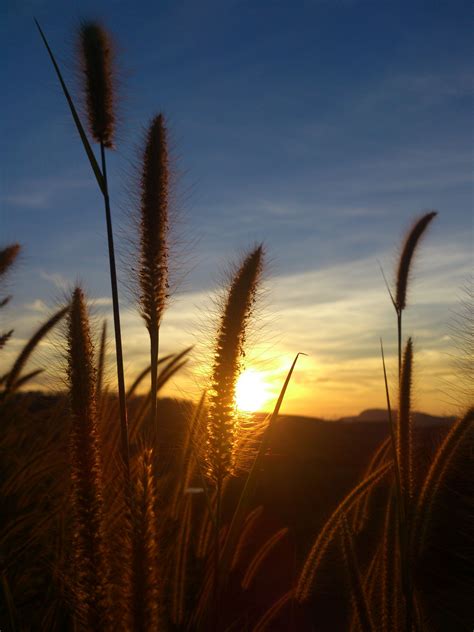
403	271
229	349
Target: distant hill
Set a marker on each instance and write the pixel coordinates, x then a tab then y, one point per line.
380	415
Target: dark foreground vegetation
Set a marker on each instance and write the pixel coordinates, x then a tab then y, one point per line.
309	467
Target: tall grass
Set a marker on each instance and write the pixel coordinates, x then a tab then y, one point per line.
222	423
96	57
164	548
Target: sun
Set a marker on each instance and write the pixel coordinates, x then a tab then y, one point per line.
251	391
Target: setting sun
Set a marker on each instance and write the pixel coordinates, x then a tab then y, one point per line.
251	392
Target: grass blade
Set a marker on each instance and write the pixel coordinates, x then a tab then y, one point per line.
250	484
90	154
29	348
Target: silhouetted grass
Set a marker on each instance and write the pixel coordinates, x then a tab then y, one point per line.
187	541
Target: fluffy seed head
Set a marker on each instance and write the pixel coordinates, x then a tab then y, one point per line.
409	247
154	201
81	369
229	349
96	55
8	256
89	555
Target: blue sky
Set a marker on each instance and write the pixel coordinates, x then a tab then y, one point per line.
319	127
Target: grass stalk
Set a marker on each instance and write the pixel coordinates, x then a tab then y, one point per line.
145	589
117	328
222	421
101	361
153	256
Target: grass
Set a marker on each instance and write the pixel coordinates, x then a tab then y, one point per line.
182	541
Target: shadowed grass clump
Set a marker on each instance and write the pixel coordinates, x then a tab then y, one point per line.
260	557
90	568
153	251
357	589
226	367
96	55
389	576
307	580
435	477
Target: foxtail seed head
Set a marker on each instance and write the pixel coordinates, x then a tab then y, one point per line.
7	257
154	201
89	554
409	247
229	349
96	55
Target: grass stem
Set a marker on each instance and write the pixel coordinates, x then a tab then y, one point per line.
117	329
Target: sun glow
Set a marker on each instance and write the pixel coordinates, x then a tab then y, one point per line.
251	391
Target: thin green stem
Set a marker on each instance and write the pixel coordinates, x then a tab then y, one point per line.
117	329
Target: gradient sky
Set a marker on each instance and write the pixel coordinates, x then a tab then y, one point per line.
321	127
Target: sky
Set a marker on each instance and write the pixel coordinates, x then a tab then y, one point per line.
321	127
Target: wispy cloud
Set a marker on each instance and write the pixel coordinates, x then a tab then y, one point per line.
37	306
43	193
57	279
